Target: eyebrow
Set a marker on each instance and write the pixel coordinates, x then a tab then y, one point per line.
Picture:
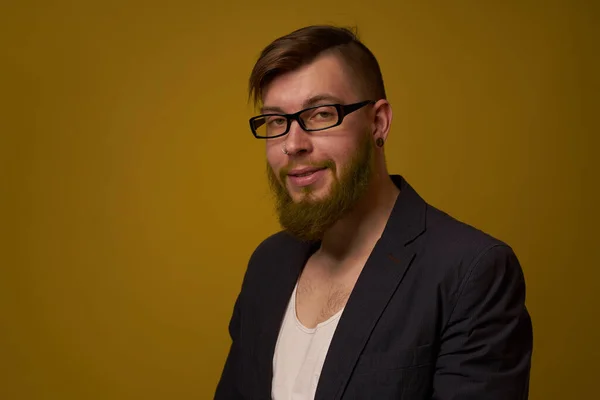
312	101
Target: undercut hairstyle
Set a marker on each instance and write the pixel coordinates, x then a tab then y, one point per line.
304	45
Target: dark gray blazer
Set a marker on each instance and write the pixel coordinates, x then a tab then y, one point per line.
438	312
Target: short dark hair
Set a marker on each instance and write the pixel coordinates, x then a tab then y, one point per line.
302	46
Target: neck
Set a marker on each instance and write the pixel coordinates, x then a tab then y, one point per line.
354	236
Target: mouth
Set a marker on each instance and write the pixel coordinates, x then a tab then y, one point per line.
304	172
305	176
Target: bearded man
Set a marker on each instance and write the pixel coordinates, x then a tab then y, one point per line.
368	292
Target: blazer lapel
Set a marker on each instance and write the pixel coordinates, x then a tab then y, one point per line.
381	276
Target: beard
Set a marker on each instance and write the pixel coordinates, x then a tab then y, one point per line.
309	218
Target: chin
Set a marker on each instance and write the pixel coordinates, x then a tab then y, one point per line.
308	194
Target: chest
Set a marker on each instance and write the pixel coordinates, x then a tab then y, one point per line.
320	295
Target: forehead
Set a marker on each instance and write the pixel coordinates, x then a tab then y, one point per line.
325	76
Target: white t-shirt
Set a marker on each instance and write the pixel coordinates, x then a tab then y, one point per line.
299	355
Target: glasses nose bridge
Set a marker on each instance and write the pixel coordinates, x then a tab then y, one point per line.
297	138
296	117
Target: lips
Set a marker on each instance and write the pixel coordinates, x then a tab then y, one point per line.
304	171
302	177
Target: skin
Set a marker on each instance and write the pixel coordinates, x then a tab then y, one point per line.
348	241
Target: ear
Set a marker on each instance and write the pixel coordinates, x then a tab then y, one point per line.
382	119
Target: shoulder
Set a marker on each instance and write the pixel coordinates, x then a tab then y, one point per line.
274	247
457	248
448	232
273	255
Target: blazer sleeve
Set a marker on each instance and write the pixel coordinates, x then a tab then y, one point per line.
486	346
229	380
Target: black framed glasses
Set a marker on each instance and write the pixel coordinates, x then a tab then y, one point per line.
317	118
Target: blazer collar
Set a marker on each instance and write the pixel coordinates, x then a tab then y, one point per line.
407	220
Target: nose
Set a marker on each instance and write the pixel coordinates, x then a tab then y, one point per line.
297	141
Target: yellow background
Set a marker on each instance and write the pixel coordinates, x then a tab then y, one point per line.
133	193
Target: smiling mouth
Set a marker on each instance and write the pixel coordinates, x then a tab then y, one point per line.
307	173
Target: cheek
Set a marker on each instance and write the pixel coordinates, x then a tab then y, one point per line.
271	152
275	158
342	157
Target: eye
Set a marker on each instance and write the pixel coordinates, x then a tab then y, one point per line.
276	121
324	115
